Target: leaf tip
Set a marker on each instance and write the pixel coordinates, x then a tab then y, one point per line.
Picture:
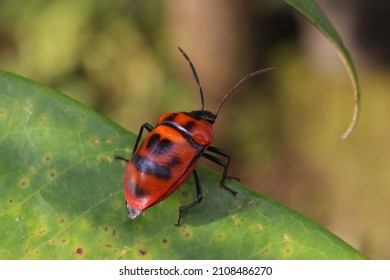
354	121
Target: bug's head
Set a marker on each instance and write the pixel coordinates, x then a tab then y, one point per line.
206	115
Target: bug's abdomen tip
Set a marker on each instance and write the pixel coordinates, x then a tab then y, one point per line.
133	212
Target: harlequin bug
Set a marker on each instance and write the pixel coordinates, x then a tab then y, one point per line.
169	154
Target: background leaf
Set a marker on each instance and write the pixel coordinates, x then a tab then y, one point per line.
61	196
312	12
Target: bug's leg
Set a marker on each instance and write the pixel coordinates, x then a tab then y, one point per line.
198	199
223	163
121	158
146	126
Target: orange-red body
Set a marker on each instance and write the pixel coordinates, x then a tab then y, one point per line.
166	158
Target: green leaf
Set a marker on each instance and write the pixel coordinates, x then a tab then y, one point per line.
312	12
61	196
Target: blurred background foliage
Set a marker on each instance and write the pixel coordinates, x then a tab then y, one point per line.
283	128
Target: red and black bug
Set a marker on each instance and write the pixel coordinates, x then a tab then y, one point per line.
169	154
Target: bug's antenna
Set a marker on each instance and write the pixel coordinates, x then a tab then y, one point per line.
195	76
238	84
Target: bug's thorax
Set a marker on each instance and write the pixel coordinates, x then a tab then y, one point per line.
196	124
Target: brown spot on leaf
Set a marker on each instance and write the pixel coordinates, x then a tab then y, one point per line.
79	251
186	232
142	252
24	184
264	252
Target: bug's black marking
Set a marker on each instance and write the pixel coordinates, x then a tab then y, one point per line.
150	167
137	190
152	142
159	146
163	146
189	125
171	117
174	161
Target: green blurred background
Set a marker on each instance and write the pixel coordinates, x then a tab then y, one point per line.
283	128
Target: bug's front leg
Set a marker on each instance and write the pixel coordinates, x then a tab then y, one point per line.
146	126
223	163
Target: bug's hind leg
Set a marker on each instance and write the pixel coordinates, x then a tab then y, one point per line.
199	196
